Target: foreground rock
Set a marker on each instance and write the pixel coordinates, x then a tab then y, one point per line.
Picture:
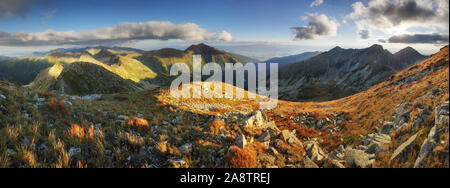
441	123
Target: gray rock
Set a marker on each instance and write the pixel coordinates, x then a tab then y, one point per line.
241	141
186	148
3	97
308	163
265	137
375	142
74	151
441	119
122	117
404	147
314	152
387	127
358	158
43	147
177	163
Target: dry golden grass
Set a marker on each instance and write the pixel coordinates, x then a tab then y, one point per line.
138	122
241	158
78	132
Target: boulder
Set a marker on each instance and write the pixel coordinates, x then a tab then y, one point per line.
404	147
441	120
265	137
358	158
258	120
241	141
308	163
387	127
375	142
314	152
74	151
290	137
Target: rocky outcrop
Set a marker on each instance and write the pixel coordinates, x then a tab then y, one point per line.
314	152
403	148
441	123
358	158
375	143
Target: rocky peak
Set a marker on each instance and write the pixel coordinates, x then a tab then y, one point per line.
203	49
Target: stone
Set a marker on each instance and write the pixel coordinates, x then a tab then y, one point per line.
308	163
241	141
186	148
441	119
257	120
265	137
43	147
337	164
387	127
404	147
74	151
375	143
3	97
122	117
314	152
178	163
358	158
290	137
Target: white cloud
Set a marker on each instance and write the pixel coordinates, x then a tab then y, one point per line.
319	25
225	36
120	33
316	3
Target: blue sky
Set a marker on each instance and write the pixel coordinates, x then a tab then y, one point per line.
250	23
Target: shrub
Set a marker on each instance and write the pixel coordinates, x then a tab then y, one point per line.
46	94
241	158
52	104
138	122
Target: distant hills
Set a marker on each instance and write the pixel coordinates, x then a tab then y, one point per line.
107	70
342	72
4	59
307	76
287	60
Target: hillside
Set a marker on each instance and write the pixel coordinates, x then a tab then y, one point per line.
283	61
339	73
402	122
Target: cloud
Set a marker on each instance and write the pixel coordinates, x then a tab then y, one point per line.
316	3
419	38
364	34
225	36
388	14
319	25
14	8
120	33
382	41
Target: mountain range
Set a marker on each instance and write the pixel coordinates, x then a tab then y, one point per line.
342	72
287	60
308	76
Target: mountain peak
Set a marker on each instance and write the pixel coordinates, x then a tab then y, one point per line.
376	47
203	49
336	48
408	51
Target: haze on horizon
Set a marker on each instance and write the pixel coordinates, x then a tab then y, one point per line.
260	29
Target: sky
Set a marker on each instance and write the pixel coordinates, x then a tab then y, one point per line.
256	28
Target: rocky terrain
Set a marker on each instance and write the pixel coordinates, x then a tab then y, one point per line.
401	123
